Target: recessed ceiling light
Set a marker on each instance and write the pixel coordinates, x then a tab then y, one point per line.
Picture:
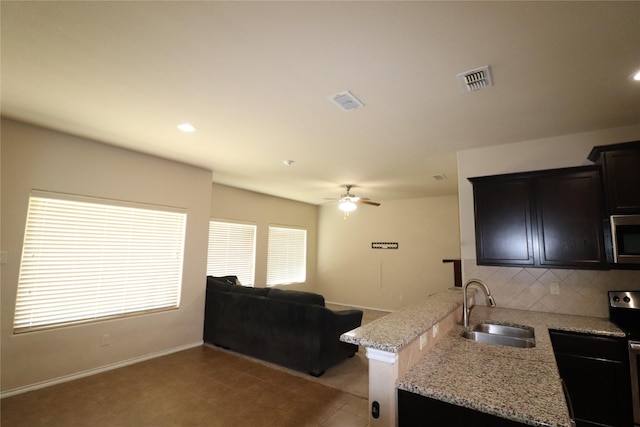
636	76
288	162
186	127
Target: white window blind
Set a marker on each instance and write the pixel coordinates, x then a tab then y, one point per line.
86	259
232	251
287	256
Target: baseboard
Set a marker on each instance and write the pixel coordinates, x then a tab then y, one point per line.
359	306
94	371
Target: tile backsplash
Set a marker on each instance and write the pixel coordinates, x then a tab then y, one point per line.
581	292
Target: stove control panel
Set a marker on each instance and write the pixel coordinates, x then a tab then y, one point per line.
624	299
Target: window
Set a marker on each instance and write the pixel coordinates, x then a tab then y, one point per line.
86	259
232	251
287	257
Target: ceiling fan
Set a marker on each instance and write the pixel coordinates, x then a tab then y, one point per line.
349	202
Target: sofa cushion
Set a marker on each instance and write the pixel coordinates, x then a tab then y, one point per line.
218	284
296	296
259	292
232	280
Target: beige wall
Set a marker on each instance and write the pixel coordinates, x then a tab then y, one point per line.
341	264
263	210
582	292
350	272
35	158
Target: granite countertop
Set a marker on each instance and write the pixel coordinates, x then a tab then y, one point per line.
518	384
397	329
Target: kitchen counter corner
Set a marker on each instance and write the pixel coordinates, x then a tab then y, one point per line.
514	383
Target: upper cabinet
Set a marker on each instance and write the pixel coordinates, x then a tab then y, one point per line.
621	166
503	217
550	218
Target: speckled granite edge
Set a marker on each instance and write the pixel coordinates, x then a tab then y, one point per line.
395	330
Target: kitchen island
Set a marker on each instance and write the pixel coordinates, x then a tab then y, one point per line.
518	384
397	341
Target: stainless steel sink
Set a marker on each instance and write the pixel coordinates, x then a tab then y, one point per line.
511	331
491	333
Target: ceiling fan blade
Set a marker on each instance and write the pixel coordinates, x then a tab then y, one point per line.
368	202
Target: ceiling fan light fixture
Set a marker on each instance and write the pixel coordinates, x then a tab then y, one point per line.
347	206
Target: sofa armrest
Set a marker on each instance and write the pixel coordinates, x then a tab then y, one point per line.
347	320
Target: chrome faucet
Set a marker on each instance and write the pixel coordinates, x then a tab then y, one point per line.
466	311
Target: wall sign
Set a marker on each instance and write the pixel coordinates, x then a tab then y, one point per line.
384	245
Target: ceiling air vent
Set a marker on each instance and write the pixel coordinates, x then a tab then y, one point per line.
346	100
475	79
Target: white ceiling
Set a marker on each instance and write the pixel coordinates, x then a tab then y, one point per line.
255	79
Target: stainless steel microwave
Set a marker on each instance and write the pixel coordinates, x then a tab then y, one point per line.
625	239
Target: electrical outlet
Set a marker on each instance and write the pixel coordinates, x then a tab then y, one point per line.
435	330
554	288
423	340
104	340
4	255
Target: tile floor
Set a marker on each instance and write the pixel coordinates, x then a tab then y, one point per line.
202	386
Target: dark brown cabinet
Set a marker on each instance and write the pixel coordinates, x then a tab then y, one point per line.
595	370
569	218
504	232
549	218
415	410
621	166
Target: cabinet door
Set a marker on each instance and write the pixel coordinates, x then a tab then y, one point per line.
596	372
569	210
418	411
503	222
594	389
622	177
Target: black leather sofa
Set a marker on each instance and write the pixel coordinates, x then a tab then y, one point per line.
289	328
